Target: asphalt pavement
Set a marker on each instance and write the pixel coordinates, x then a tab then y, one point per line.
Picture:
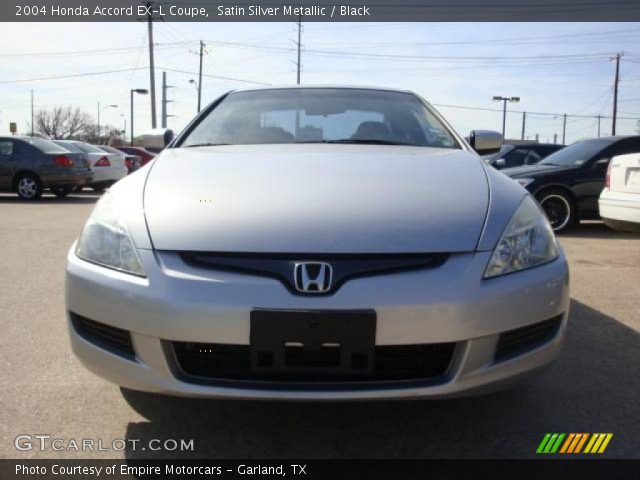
593	387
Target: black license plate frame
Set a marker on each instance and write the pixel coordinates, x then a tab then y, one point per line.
332	343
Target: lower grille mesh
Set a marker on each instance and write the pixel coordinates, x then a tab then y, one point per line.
526	338
115	340
202	362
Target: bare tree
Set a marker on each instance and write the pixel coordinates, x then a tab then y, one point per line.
63	123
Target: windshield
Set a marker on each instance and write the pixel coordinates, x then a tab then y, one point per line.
45	146
85	147
70	146
577	153
321	115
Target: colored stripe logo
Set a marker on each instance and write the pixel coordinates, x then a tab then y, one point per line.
573	443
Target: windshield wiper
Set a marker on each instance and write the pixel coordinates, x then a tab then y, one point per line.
363	141
205	145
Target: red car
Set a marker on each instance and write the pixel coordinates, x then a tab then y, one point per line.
144	154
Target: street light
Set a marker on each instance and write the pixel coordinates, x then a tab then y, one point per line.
102	110
124	129
141	91
504	101
195	84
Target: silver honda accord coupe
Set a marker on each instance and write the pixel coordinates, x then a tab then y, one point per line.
317	243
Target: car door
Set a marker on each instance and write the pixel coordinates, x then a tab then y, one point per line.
8	157
591	181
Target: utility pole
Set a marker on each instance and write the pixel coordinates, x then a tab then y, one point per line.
564	128
32	112
152	71
524	122
202	45
504	101
555	138
615	93
299	45
164	100
599	118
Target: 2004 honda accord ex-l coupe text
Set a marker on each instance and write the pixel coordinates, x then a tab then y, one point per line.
317	243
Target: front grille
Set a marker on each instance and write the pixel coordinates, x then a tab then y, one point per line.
282	266
211	363
521	340
115	340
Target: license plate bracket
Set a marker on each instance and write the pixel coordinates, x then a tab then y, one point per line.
316	342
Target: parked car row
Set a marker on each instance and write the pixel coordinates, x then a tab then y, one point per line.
30	165
568	183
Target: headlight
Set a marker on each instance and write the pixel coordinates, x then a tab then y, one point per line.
527	241
104	240
524	181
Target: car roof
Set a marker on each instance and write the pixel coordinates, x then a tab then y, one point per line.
310	87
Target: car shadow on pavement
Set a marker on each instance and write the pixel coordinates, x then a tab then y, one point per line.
77	198
593	387
596	230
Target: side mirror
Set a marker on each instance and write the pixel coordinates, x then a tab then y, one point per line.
485	141
501	162
157	139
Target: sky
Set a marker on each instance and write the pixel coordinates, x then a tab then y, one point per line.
554	68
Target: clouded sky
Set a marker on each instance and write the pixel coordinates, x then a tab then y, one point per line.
554	68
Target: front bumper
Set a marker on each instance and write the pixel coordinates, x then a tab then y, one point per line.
67	179
108	174
451	303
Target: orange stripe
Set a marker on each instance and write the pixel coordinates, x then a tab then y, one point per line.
574	443
584	439
567	442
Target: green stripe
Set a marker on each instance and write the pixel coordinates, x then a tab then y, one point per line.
558	442
547	449
543	443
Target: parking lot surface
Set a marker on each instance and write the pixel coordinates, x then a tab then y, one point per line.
594	386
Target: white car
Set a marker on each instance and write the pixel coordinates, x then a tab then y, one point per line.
620	200
107	167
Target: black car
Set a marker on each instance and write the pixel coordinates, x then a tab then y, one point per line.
568	183
30	165
511	156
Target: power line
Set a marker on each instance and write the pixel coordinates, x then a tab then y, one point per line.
58	77
215	76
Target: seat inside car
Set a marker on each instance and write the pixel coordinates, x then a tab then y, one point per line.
372	130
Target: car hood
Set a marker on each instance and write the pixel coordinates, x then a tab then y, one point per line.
532	170
316	198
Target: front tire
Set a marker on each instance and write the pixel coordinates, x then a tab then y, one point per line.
29	187
559	208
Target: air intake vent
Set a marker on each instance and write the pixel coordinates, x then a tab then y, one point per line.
522	340
113	339
219	363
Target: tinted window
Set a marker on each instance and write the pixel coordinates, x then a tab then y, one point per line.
321	115
6	147
69	146
500	154
578	153
45	146
515	157
86	148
